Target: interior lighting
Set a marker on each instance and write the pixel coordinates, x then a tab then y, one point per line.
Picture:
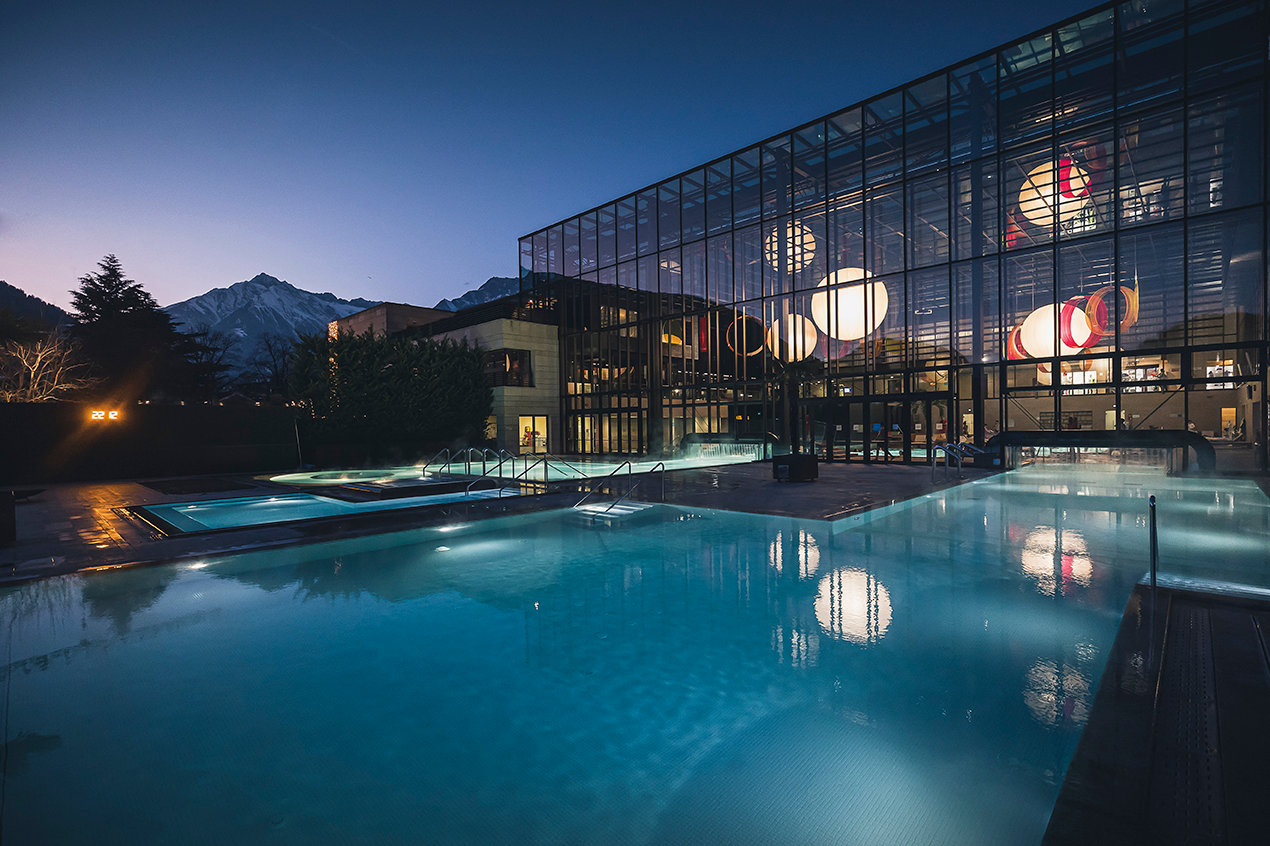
852	305
1039	194
792	338
800	246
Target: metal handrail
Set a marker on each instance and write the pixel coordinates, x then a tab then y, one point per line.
948	452
560	460
485	475
629	467
659	466
1155	540
428	463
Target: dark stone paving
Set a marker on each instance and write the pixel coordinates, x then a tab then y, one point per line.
1176	749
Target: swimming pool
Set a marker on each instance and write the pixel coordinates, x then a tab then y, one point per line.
918	674
213	514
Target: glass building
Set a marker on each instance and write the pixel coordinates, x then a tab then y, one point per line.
1067	232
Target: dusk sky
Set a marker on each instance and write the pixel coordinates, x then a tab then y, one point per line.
397	151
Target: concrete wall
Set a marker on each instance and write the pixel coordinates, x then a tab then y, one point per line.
510	403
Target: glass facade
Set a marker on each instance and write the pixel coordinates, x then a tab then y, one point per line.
1066	232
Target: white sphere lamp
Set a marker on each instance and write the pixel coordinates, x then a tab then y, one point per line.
852	304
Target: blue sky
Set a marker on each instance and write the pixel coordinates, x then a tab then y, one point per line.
396	151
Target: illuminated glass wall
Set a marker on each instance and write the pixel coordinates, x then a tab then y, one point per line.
1067	232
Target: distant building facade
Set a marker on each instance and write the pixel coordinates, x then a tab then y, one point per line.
1067	232
386	319
521	346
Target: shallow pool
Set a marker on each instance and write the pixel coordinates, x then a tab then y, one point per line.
918	674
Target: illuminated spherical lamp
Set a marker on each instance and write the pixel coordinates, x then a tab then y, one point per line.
792	338
800	246
1039	194
1037	333
852	605
852	305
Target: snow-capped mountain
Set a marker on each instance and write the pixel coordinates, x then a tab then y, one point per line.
261	306
494	288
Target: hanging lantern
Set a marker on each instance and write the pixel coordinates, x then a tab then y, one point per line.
853	304
799	243
1036	335
792	338
1039	193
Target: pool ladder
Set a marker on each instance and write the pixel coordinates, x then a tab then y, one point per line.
632	484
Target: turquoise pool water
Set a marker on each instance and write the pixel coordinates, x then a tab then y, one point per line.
282	508
917	675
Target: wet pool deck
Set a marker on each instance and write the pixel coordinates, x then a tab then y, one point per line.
1175	751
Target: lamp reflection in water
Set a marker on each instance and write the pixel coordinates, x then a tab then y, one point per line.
854	606
795	550
1074	565
1056	694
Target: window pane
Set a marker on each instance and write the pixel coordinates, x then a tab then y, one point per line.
928	220
1226	156
1150	162
809	165
926	123
646	222
748	267
668	213
1031	194
694	275
885	210
590	243
693	206
541	264
719	267
572	250
1086	318
746	201
626	229
846	234
555	250
526	263
719	196
1029	292
1083	86
1227	43
977	315
843	152
1085	176
973	109
608	235
883	139
1225	278
1150	271
1149	63
977	209
1026	106
776	178
929	317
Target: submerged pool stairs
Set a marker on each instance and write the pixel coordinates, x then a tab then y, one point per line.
611	514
